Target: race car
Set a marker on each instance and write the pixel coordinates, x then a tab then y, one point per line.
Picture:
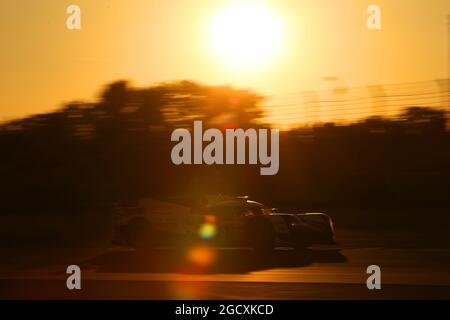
226	222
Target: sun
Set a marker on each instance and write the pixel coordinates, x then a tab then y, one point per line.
246	35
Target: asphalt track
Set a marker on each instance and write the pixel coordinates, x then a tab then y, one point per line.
408	271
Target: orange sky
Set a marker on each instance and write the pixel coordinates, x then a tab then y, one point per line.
43	64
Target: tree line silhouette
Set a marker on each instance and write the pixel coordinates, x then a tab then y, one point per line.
117	150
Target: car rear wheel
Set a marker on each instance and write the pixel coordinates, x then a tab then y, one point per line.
260	235
139	234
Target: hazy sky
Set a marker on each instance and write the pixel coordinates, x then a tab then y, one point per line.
43	64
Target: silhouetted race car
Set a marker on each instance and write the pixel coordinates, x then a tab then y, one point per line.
228	222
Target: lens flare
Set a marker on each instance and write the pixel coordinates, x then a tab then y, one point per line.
207	231
210	219
202	256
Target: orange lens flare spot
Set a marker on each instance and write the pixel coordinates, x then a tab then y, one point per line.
202	256
210	219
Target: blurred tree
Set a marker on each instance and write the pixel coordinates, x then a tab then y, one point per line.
179	103
216	106
422	118
115	97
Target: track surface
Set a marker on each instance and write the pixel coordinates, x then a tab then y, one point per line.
407	272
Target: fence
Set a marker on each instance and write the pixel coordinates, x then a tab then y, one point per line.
344	104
